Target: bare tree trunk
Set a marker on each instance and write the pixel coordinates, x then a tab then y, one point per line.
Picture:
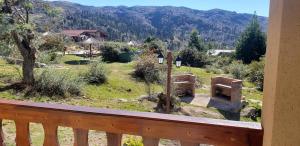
28	67
28	54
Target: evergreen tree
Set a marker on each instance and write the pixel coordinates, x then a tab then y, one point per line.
196	42
252	43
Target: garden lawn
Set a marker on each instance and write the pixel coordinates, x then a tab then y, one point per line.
120	92
120	87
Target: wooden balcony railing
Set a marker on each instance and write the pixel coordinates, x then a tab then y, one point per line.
190	131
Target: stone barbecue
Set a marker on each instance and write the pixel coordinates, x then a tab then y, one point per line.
184	85
227	88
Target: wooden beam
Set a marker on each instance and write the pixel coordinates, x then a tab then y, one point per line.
185	143
183	128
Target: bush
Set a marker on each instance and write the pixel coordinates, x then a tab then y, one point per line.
238	70
126	55
162	103
115	53
96	73
194	58
256	73
52	43
148	69
154	45
49	57
110	54
5	49
52	83
213	69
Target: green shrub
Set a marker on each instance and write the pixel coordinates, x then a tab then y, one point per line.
148	69
238	70
96	74
5	49
132	141
219	64
154	45
194	58
256	73
126	55
213	69
113	53
110	54
53	83
52	43
49	57
162	102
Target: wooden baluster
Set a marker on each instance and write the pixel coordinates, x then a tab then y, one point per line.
1	134
22	133
81	137
114	139
147	141
50	135
185	143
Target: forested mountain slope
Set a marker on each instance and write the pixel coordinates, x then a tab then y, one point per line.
139	22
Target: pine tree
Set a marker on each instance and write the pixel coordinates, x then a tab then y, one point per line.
196	42
252	43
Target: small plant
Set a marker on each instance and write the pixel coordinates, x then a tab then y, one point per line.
200	82
161	105
256	73
148	69
96	74
52	83
213	69
238	70
132	141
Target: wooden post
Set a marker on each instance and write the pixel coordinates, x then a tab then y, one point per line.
1	135
91	54
280	113
169	62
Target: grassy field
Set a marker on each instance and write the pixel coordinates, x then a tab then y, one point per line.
120	85
120	92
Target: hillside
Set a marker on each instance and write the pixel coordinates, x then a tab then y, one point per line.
139	22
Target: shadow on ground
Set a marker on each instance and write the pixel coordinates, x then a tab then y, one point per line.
78	62
16	86
227	109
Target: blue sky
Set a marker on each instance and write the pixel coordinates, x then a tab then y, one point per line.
240	6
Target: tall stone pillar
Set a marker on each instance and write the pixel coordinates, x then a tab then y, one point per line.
281	109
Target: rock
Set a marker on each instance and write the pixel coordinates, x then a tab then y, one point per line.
245	112
122	100
152	98
40	65
251	112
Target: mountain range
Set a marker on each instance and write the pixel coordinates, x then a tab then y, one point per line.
123	23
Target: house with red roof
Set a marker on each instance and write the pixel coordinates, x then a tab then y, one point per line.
80	35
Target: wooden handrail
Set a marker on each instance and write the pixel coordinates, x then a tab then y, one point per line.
151	126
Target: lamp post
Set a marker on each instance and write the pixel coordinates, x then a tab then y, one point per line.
169	72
